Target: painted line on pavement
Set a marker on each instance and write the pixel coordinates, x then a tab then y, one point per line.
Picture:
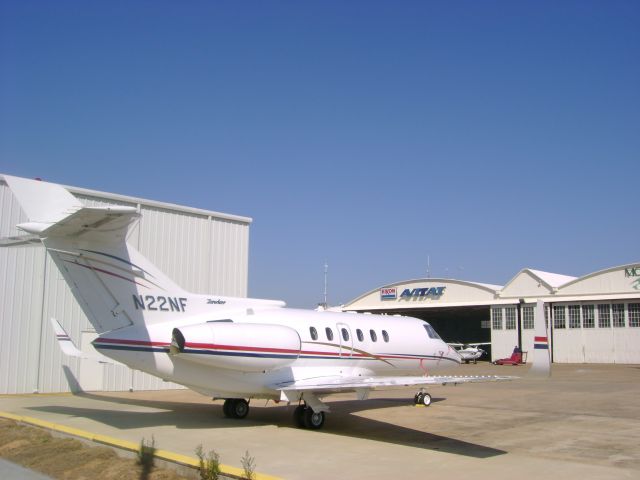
166	455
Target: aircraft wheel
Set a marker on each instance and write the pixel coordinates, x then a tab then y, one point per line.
239	408
313	420
426	399
298	416
417	399
227	408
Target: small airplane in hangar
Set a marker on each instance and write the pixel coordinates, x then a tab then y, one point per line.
469	352
236	349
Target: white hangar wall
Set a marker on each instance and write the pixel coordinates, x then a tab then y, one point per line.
203	251
591	319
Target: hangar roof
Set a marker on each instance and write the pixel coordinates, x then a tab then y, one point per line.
554	279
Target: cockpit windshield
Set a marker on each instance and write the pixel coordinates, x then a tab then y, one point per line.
431	332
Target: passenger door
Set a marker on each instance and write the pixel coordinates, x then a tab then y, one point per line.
346	340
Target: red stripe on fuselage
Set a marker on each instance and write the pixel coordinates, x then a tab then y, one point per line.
132	342
210	346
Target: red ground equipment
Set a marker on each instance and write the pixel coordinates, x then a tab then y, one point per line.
517	357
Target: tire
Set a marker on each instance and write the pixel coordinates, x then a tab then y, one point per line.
417	399
426	399
313	420
239	408
227	408
298	416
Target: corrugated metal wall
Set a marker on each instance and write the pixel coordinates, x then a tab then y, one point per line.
204	252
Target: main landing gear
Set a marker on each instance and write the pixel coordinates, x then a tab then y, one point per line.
422	398
235	408
305	417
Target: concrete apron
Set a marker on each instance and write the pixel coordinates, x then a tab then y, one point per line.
583	423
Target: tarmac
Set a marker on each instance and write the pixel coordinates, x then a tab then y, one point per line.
582	423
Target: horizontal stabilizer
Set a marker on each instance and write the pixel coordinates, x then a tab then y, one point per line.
43	202
87	223
54	212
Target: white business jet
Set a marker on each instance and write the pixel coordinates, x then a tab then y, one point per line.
236	349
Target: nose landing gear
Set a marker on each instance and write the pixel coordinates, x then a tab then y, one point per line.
422	398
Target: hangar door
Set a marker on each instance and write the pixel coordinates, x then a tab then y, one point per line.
455	324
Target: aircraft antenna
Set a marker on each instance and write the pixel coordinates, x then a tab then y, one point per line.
326	271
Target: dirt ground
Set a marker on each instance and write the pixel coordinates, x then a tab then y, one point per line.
67	458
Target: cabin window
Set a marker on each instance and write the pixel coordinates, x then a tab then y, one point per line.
374	337
329	333
385	336
431	332
360	335
345	334
314	333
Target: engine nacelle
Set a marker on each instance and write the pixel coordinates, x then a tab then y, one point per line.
245	347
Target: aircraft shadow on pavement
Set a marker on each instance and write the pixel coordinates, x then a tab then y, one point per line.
342	420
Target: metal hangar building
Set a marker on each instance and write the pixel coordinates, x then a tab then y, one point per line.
590	319
203	251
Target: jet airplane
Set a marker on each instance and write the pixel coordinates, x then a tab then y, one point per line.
236	349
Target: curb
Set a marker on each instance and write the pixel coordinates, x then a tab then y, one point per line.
172	457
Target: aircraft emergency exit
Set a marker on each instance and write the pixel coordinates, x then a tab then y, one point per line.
236	349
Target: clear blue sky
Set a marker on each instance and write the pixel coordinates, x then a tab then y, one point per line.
488	135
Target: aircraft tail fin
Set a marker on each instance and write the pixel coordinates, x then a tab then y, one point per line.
541	356
114	284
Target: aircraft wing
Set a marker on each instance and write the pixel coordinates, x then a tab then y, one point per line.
335	384
69	349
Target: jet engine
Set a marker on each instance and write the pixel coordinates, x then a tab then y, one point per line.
245	347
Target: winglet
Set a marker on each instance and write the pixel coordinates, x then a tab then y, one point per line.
65	342
541	356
